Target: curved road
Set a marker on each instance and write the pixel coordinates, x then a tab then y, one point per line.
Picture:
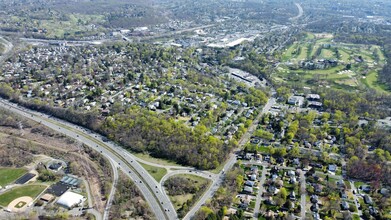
301	12
158	201
8	47
112	192
153	191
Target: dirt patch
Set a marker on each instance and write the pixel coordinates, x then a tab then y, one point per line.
20	204
56	146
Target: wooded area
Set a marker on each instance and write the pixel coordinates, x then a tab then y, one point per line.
144	131
128	201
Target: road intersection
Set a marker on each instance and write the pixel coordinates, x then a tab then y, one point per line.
159	203
121	159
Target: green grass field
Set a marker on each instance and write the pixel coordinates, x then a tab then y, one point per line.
27	190
308	48
159	161
344	56
9	175
310	36
156	172
380	54
289	52
371	82
327	54
303	53
179	200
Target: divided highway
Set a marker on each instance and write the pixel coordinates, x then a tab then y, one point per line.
158	201
152	190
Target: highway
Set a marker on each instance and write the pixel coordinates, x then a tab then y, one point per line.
69	42
158	201
301	12
153	191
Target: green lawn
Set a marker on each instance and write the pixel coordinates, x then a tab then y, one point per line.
151	159
327	54
27	190
358	184
179	200
156	172
289	52
380	54
263	149
303	53
344	56
310	36
9	175
356	217
371	82
307	47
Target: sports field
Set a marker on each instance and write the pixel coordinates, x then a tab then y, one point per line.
9	175
14	193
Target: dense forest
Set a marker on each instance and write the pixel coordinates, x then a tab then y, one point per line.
142	130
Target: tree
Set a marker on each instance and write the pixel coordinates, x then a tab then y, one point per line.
281	197
295	151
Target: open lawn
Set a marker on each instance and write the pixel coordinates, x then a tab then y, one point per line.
371	82
9	175
310	36
308	48
357	184
179	200
344	56
151	159
356	217
347	82
74	25
197	182
303	53
290	52
27	190
313	51
327	54
156	172
380	54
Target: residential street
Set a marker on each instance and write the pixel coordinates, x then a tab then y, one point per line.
303	193
259	196
230	162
